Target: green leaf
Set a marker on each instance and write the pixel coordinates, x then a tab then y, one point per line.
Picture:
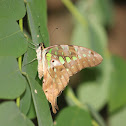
73	116
107	11
98	37
91	35
37	17
11	116
31	113
12	9
102	11
117	91
91	93
12	83
40	103
118	118
12	40
30	68
80	36
25	101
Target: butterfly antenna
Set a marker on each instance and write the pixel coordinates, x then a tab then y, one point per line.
42	43
32	48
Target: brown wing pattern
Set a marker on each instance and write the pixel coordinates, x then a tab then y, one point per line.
55	80
64	62
85	57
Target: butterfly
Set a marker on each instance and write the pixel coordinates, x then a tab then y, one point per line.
57	63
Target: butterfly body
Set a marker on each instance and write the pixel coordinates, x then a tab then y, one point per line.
57	63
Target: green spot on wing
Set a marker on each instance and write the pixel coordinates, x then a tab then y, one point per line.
48	64
84	55
63	47
48	56
75	49
55	53
50	50
61	60
74	58
79	57
57	48
68	59
67	69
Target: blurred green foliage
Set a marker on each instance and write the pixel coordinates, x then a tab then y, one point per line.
98	87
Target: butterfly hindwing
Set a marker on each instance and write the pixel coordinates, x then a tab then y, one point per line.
55	79
59	63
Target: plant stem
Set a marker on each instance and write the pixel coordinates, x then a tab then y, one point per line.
20	61
72	98
18	101
21	24
94	123
75	12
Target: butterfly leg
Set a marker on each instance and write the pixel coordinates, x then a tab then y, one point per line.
30	62
32	48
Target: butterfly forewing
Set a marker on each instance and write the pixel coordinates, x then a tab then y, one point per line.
75	57
59	63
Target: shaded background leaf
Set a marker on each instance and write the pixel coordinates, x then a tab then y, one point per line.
93	83
117	90
118	118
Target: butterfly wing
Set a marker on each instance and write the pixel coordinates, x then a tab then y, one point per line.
61	62
54	81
